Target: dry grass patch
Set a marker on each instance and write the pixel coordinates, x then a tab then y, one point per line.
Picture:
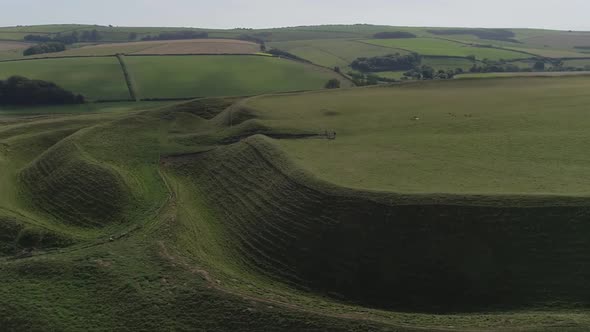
10	45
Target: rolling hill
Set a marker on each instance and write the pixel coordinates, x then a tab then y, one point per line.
241	214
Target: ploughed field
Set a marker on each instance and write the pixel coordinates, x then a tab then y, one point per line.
455	205
191	46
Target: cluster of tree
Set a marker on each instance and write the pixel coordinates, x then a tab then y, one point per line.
18	90
178	35
285	54
68	39
428	73
490	34
362	79
51	47
392	62
394	35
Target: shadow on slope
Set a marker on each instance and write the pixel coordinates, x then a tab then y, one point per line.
431	253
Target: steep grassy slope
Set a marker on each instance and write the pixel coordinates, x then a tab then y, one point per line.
424	252
221	230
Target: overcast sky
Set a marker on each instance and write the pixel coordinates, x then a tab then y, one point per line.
566	15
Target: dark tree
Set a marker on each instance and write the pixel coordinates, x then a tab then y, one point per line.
132	36
539	66
332	84
394	35
51	47
18	90
178	35
392	62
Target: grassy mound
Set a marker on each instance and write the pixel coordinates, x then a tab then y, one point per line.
431	253
71	187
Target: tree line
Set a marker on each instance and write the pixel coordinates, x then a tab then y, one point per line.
17	90
391	62
394	35
178	35
50	47
67	39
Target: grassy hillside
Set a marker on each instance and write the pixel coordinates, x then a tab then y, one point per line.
95	78
193	76
332	52
218	228
456	136
431	46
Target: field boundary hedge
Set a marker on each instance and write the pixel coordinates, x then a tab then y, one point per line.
128	79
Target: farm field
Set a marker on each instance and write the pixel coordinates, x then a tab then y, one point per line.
218	208
16	111
195	46
95	78
7	45
524	74
333	52
439	47
529	141
194	76
263	201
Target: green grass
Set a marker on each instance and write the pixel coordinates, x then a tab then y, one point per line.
95	78
523	74
448	63
193	76
335	52
17	36
432	46
84	108
238	237
467	138
48	28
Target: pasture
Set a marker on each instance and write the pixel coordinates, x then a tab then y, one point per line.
193	46
462	138
447	205
524	74
440	47
95	78
195	76
333	52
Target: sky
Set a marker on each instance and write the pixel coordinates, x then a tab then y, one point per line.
563	15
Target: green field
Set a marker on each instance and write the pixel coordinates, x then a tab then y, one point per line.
193	216
273	204
95	78
467	139
195	76
334	52
432	46
524	74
